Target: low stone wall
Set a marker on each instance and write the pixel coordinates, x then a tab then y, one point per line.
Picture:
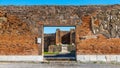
21	58
71	48
55	48
98	58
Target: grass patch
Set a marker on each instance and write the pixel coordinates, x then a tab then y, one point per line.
51	53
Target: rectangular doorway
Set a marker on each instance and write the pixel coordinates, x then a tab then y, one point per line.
59	43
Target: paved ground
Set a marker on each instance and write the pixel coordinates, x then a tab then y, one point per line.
57	65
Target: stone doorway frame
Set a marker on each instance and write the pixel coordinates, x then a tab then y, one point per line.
57	26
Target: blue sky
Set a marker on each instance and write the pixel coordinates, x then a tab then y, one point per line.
48	30
58	2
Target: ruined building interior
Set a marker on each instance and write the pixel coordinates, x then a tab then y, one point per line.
59	38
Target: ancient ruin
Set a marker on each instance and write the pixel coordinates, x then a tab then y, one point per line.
97	28
59	38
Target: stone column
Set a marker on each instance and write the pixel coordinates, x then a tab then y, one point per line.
71	36
58	37
77	39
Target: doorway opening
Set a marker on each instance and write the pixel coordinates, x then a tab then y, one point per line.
59	43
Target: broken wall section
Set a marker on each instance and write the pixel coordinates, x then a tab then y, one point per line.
99	33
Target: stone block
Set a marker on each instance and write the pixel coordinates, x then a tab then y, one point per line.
93	58
83	58
80	58
101	58
113	58
21	58
118	58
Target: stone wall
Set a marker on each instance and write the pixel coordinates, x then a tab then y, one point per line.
18	37
65	37
99	33
49	39
62	37
97	27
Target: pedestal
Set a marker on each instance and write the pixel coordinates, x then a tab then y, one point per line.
64	49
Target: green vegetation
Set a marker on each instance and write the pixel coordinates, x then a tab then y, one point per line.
51	53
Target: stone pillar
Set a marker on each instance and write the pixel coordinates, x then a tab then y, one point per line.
77	39
58	37
40	35
71	36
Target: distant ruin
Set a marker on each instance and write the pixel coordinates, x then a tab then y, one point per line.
58	38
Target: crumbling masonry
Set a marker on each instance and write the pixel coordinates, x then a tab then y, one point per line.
97	28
